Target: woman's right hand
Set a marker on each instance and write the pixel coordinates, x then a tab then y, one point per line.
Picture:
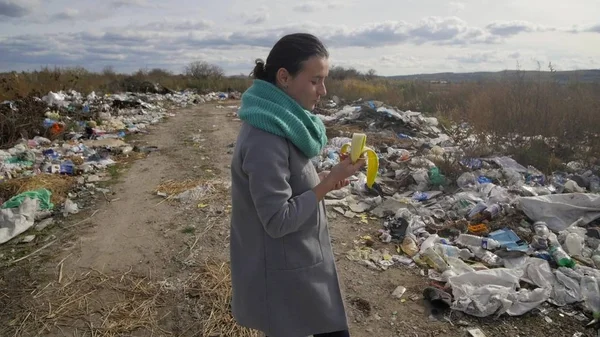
339	173
345	169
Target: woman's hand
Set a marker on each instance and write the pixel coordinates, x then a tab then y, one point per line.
345	169
337	177
340	184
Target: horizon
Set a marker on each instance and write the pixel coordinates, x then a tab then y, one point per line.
395	39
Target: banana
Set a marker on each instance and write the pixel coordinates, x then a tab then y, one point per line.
357	148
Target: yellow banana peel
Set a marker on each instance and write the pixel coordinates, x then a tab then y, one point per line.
357	148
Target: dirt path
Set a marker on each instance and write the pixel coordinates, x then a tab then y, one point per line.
143	266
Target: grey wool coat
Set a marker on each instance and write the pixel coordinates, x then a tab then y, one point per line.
283	271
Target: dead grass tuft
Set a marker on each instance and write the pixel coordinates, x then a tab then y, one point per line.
59	185
173	187
213	287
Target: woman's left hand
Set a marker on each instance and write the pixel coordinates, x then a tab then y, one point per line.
340	184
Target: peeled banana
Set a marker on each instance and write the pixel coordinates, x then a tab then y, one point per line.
358	147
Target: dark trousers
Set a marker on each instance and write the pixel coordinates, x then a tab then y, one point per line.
343	333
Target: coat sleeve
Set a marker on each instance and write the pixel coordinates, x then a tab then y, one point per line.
265	161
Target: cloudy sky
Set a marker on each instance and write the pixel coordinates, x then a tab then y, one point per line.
393	37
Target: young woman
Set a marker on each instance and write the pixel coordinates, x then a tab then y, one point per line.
283	271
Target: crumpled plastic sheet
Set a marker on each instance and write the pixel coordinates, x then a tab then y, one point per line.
560	211
494	291
14	221
509	163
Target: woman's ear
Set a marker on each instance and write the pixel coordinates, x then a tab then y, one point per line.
283	78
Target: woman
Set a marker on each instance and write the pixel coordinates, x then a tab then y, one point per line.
283	271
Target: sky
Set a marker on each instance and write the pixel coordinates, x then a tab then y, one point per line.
400	37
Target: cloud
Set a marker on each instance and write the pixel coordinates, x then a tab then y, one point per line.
173	25
132	3
594	29
477	57
587	29
174	43
156	41
510	28
67	15
256	18
456	6
314	6
17	8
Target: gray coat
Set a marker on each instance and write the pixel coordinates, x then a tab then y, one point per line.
283	271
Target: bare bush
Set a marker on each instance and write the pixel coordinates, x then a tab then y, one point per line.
203	70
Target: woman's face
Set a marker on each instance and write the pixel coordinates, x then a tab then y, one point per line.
308	85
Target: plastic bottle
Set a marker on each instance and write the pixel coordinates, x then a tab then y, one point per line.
539	242
591	294
429	242
477	241
491	212
434	260
67	167
476	211
453	251
574	244
561	257
488	258
409	246
541	229
488	213
420	196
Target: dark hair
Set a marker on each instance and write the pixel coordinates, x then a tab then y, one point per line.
289	53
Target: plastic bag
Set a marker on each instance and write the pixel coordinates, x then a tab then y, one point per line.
435	177
468	182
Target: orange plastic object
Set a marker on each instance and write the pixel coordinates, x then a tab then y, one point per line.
477	229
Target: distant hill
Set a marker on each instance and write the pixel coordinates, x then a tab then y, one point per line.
592	75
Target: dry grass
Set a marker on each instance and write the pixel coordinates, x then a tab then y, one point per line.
173	187
208	190
91	303
59	185
213	286
94	303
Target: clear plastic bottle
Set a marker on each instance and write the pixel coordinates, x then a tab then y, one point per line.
488	258
453	251
491	212
539	242
591	294
574	244
477	241
541	229
429	242
475	212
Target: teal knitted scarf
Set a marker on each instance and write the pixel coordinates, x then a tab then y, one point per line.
270	109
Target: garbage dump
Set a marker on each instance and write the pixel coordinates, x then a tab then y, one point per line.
501	237
72	140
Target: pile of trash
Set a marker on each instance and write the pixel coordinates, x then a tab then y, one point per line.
501	238
81	135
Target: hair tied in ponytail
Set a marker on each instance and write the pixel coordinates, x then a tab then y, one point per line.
259	71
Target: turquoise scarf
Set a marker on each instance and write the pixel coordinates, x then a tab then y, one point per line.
268	108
